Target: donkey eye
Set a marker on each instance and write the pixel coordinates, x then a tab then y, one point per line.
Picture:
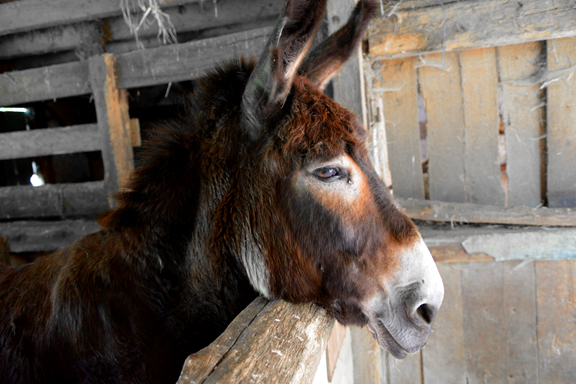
328	174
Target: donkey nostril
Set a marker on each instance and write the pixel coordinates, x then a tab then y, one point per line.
426	313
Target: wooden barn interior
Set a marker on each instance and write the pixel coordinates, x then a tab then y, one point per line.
471	111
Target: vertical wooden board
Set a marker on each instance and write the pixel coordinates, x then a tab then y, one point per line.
400	94
556	298
407	370
114	121
439	79
521	111
365	356
480	90
561	116
499	312
443	356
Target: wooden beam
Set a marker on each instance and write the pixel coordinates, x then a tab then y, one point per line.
114	121
189	60
45	236
417	27
53	200
478	213
51	141
25	15
53	82
268	342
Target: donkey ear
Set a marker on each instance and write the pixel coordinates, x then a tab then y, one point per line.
271	80
329	56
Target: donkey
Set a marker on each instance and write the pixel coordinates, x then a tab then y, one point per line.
262	187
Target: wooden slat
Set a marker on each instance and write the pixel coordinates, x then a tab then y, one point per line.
477	213
499	312
432	26
443	356
281	343
522	115
53	200
561	116
406	371
62	80
113	120
24	15
440	85
399	90
51	141
187	61
556	298
45	236
481	116
333	349
365	357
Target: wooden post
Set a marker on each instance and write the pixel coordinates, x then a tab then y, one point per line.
113	120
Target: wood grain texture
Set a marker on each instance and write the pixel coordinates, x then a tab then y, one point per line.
189	60
53	200
561	117
522	114
556	298
481	116
366	356
414	27
333	349
399	89
113	120
499	312
25	15
477	213
282	344
443	356
439	79
45	83
45	236
51	141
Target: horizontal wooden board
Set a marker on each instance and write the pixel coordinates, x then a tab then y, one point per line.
51	141
45	236
433	26
187	61
281	342
53	82
53	200
25	15
477	213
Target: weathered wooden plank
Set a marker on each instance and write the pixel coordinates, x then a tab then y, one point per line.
283	344
522	115
366	357
443	360
561	117
556	298
185	18
25	15
333	348
477	213
455	253
51	141
439	79
198	366
499	312
113	120
432	26
45	83
187	61
399	90
53	200
45	236
406	371
481	116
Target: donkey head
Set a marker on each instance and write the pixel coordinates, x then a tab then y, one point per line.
323	227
